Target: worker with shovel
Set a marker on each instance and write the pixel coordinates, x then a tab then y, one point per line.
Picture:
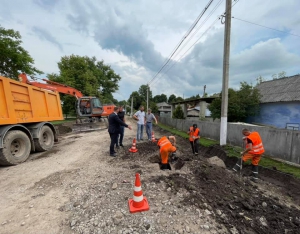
166	147
254	150
194	133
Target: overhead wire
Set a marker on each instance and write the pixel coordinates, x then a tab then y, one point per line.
266	27
218	18
182	40
200	26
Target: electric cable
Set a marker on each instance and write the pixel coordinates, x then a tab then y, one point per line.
265	26
219	17
182	40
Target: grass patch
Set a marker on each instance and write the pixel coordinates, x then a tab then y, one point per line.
63	121
266	161
203	141
234	151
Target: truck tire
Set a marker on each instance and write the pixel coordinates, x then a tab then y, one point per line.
45	141
16	148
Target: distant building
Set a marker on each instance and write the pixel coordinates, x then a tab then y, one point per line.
164	109
195	111
280	103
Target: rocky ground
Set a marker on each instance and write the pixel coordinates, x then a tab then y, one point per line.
78	188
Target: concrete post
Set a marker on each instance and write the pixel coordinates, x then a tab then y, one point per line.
202	109
184	110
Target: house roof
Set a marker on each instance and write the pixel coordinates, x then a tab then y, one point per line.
280	90
162	104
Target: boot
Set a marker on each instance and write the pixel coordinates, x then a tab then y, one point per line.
254	176
238	165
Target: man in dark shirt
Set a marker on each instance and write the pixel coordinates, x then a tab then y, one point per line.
121	115
114	124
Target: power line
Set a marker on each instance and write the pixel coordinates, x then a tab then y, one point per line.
182	40
266	27
219	17
200	26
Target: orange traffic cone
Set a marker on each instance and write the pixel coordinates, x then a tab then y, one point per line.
139	203
133	148
153	138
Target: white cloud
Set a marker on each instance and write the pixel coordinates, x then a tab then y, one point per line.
135	37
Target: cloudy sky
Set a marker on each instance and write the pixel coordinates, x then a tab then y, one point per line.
135	37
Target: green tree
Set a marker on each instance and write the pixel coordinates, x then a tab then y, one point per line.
178	113
14	59
137	100
154	108
241	103
179	99
279	75
91	77
172	98
143	92
160	98
68	106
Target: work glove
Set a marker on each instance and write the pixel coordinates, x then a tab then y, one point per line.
241	153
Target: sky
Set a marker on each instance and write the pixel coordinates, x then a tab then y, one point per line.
136	37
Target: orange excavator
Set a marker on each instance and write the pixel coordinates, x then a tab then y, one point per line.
86	106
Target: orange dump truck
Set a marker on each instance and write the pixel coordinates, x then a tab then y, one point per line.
25	112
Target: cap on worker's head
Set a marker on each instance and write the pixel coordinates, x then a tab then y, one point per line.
245	130
195	125
173	149
149	109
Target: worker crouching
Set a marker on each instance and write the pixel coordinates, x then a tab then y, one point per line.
254	150
167	146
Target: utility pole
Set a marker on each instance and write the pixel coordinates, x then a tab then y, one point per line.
204	91
131	113
224	107
147	97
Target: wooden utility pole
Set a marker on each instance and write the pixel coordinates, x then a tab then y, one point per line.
224	107
147	97
131	113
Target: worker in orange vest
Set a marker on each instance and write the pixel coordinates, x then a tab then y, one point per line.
194	133
254	150
166	147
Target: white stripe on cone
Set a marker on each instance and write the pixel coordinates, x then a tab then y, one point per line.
138	199
137	189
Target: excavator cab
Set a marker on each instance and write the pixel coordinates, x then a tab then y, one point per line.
88	107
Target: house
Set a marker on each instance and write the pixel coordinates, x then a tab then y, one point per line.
195	112
280	103
164	109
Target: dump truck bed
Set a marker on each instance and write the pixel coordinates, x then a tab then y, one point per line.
21	103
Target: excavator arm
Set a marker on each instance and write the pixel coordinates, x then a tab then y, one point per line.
51	85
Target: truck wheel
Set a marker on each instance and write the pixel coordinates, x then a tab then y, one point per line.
16	148
45	141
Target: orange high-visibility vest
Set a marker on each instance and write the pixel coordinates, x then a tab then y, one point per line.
257	145
194	133
165	148
163	142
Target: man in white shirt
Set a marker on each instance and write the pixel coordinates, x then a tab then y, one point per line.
140	117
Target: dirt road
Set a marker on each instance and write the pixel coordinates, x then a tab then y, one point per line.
78	188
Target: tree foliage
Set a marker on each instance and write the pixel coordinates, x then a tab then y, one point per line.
178	113
160	98
241	103
143	92
14	59
172	98
154	108
137	100
91	77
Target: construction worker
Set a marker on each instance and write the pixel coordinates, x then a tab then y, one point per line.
166	147
194	133
254	150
